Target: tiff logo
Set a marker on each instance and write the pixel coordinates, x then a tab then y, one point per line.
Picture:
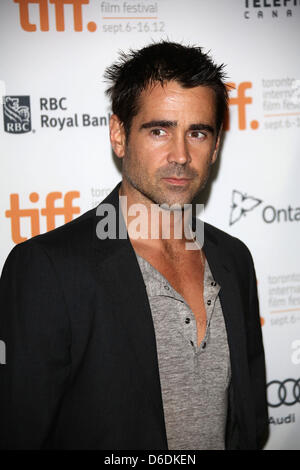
241	101
59	14
15	213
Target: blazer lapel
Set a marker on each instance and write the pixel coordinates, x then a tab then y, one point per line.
118	271
233	309
230	294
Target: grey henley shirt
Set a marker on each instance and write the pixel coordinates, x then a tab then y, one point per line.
194	380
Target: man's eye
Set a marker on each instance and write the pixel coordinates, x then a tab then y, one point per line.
197	134
158	132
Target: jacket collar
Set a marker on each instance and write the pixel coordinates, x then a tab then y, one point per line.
109	246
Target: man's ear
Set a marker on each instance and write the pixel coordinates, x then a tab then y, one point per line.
117	136
218	141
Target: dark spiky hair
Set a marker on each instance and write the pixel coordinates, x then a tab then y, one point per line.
162	62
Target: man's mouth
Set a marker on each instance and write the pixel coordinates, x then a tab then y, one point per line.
178	181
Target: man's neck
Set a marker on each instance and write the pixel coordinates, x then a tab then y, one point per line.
152	227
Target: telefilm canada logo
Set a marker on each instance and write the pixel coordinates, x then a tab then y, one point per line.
260	9
242	204
16	114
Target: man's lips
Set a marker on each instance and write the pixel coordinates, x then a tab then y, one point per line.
178	181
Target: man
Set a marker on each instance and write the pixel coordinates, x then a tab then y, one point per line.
138	341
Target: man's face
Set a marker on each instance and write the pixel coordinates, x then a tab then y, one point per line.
172	144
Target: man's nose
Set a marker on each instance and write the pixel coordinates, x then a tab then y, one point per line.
178	151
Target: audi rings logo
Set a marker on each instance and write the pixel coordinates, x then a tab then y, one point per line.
283	393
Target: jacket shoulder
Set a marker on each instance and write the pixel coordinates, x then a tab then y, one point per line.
221	236
68	231
231	245
79	232
74	236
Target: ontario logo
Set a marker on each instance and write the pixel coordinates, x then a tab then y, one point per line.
241	204
16	114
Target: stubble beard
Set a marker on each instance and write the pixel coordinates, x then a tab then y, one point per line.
176	196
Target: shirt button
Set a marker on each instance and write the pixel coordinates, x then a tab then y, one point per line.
192	343
204	345
208	302
187	320
167	287
213	284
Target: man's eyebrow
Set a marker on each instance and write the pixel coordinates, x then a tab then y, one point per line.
164	123
158	123
201	127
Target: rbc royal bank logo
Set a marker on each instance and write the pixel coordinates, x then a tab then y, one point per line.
16	114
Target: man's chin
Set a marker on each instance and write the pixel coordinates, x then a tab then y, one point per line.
165	199
173	207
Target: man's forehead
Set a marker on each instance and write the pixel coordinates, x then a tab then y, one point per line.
171	97
173	86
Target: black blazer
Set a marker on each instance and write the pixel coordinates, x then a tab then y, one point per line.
81	366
